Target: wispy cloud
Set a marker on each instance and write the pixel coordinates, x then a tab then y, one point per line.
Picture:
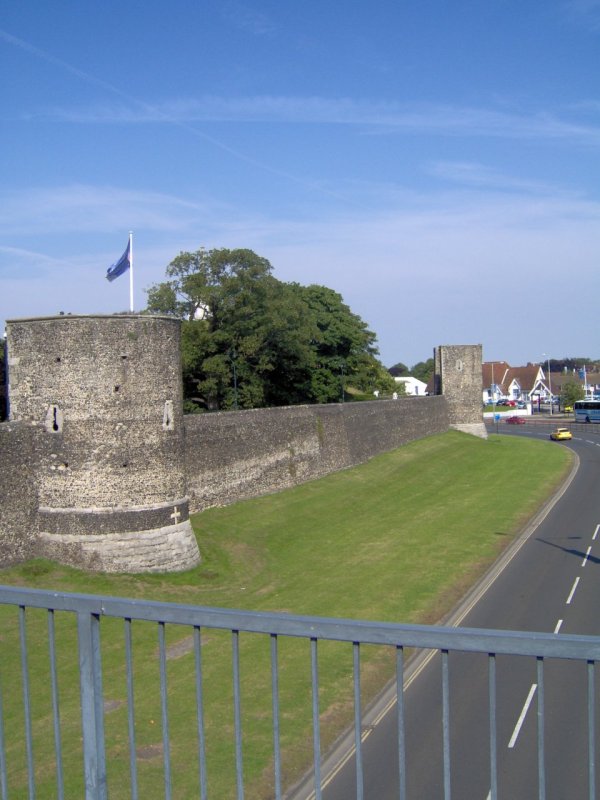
376	116
19	263
246	18
476	175
459	242
88	208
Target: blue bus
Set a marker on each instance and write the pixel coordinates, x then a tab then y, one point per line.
587	411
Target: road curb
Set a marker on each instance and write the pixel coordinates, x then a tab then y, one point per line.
344	748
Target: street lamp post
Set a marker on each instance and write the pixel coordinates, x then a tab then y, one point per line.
494	399
233	356
549	384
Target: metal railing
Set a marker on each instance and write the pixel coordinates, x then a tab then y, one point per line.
33	633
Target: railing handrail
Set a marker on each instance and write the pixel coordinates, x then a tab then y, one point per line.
435	637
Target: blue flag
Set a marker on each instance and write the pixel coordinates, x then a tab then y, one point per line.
120	266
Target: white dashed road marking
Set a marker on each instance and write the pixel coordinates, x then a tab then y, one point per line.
570	597
587	555
521	719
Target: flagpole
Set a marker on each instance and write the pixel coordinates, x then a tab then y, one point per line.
131	271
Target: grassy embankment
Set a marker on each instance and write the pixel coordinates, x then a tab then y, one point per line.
399	538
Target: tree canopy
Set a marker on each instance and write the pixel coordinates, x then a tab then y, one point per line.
250	340
571	391
399	370
571	363
423	370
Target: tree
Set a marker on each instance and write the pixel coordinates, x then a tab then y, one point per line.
570	392
249	340
344	347
423	370
399	370
570	364
246	338
204	284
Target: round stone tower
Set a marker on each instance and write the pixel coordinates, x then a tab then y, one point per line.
109	467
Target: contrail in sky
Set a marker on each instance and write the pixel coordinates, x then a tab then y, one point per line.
147	107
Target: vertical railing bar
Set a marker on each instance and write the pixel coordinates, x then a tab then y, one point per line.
237	706
93	716
275	699
401	724
98	705
200	714
446	723
131	710
3	776
591	730
55	706
493	727
164	709
26	703
357	721
314	668
92	712
540	730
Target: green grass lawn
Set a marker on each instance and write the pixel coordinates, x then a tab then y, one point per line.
397	539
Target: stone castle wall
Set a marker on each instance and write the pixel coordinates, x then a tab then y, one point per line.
99	467
241	454
18	503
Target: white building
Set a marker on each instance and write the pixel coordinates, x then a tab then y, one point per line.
413	386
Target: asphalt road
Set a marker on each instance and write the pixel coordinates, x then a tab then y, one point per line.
549	585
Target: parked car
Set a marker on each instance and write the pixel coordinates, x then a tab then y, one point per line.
561	434
515	420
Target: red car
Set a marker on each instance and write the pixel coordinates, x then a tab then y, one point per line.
515	420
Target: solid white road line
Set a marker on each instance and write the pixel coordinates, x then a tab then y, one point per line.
572	591
521	719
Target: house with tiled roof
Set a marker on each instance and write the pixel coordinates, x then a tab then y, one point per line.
589	381
531	384
500	380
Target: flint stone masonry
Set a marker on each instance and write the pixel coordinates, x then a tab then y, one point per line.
235	455
100	469
458	379
107	394
18	505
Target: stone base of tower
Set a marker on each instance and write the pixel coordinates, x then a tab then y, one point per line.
474	428
169	549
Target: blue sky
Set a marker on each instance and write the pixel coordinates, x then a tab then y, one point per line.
434	162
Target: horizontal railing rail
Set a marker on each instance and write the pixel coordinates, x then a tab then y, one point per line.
91	613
